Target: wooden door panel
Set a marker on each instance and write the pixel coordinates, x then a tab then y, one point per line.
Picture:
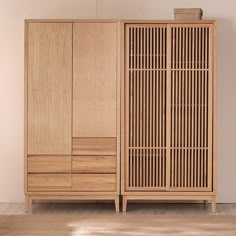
49	88
146	70
94	79
191	108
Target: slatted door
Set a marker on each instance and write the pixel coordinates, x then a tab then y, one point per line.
168	102
190	59
146	72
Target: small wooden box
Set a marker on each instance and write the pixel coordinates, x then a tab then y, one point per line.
188	13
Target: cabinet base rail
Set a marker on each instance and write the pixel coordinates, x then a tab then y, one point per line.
30	198
205	198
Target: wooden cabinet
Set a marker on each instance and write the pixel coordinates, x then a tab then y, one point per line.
72	110
104	97
169	114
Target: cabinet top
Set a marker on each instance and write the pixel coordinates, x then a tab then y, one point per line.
122	21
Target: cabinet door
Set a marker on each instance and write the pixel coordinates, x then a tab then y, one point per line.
94	79
145	107
190	59
49	88
168	107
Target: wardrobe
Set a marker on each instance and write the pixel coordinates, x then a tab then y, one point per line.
120	107
72	113
168	111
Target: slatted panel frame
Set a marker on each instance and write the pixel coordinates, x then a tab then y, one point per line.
168	147
146	64
191	107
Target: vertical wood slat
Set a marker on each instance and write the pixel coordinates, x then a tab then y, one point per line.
168	109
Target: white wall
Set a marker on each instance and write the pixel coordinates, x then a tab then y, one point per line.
12	15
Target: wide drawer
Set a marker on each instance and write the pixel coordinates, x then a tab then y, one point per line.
94	146
94	164
45	164
49	182
94	182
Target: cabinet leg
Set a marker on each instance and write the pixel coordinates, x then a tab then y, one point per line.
124	204
213	204
206	202
117	204
27	203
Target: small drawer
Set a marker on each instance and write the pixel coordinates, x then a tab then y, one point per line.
94	146
46	164
94	182
49	182
94	164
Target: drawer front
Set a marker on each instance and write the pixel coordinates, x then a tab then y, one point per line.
94	164
94	182
94	146
49	182
45	164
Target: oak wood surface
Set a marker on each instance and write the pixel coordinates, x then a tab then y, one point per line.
94	182
45	164
49	88
94	146
94	164
49	182
94	79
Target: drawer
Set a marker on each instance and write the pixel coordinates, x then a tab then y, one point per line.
45	164
94	146
94	164
49	182
94	182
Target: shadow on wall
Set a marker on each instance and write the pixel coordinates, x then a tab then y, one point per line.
226	104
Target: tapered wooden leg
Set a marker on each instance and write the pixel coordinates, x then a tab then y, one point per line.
124	204
27	203
117	204
213	204
205	202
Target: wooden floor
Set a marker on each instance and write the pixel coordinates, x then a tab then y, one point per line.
108	208
116	225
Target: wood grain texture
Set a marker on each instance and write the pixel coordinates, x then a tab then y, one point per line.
49	182
49	88
94	164
94	146
49	164
94	182
94	79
